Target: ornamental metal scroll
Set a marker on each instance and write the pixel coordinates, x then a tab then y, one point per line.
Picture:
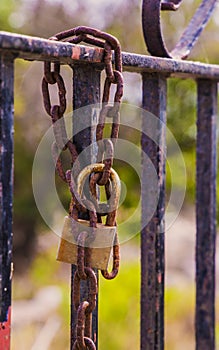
152	27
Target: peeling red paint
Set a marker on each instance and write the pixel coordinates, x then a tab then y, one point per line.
76	51
5	330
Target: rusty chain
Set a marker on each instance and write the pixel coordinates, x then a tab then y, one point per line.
103	178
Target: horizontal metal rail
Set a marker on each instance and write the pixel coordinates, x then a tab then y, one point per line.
33	48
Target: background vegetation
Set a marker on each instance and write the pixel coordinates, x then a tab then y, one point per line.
119	326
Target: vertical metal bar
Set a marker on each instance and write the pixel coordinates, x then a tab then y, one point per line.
86	91
6	188
152	235
206	214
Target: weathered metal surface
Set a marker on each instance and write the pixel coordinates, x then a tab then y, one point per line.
101	246
170	5
152	235
86	91
152	27
34	48
110	211
91	279
206	214
6	188
28	47
83	341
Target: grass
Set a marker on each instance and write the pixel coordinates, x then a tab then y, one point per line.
119	324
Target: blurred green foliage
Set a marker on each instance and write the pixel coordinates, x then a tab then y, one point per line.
6	8
120	315
181	121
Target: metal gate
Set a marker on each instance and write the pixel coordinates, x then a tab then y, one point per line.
87	63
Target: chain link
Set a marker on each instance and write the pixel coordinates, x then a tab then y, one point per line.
105	155
83	328
109	43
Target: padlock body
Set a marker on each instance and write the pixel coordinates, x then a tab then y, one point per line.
100	246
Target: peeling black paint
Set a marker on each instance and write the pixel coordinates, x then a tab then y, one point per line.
152	235
6	182
206	214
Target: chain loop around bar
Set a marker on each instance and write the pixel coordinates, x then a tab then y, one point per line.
113	76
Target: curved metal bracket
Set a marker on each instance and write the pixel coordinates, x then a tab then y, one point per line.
152	28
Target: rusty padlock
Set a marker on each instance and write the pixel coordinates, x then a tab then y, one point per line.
104	236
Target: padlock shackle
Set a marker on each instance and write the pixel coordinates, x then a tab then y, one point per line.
116	188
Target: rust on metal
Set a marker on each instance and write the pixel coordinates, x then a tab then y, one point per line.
109	44
81	255
49	74
33	48
170	5
152	27
152	235
105	151
116	262
99	168
6	191
206	214
92	280
83	330
111	212
56	112
113	197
